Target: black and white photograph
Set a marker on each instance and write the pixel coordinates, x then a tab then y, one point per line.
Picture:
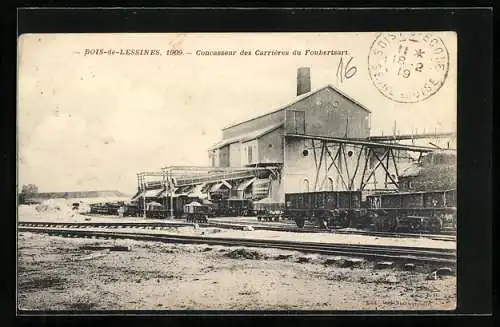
237	171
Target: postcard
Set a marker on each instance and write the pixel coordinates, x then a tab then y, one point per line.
237	171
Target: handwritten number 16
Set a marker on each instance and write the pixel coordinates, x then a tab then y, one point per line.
345	72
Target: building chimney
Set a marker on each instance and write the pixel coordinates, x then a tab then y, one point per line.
303	80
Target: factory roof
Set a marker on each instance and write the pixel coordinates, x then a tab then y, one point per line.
243	186
247	136
300	98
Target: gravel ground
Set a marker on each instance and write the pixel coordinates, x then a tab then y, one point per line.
55	274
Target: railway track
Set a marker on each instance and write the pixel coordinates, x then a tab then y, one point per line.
372	252
260	226
239	226
117	224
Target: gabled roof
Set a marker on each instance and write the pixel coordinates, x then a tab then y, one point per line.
248	136
245	184
300	98
217	186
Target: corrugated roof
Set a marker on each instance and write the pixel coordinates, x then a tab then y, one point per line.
183	190
300	98
197	191
194	204
245	184
153	193
217	186
248	136
148	194
136	195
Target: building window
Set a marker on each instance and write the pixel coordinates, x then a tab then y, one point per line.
295	121
305	185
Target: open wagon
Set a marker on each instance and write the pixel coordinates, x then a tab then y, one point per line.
197	213
268	210
430	211
322	209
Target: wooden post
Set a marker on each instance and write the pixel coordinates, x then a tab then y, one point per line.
318	166
144	197
346	167
314	152
340	168
336	167
284	170
361	186
395	164
171	191
357	166
386	169
376	166
326	168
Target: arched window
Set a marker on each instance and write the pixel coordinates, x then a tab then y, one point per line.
330	184
305	185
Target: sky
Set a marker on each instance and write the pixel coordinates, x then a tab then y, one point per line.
92	122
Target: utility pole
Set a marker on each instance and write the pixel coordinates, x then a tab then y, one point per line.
144	196
171	189
394	130
164	185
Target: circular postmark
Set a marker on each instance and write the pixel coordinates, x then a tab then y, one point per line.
408	66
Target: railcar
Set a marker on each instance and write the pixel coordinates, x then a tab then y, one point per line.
432	211
198	213
233	207
267	210
105	208
323	209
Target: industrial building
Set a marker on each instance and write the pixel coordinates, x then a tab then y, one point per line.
262	141
320	141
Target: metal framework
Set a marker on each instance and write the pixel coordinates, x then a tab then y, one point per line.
171	178
400	137
331	153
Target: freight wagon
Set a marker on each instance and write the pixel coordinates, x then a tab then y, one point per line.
267	210
105	208
323	209
432	211
233	207
163	211
197	213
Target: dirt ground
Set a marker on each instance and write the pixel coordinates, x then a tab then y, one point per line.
55	274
